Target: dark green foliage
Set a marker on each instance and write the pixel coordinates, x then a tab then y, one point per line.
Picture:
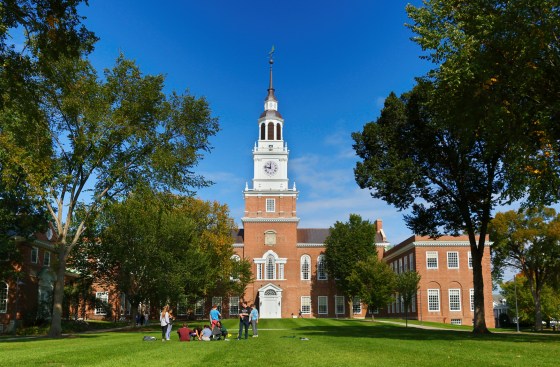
407	288
347	244
528	241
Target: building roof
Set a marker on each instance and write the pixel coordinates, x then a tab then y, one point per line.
312	235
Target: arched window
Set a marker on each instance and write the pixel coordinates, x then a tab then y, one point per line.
270	292
3	297
263	131
270	267
278	132
270	131
321	268
305	265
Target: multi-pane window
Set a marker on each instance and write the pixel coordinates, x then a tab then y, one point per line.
413	303
270	205
322	305
471	292
102	301
47	259
3	297
34	255
321	268
280	271
199	307
305	305
432	259
259	271
454	300
182	306
411	261
470	260
218	302
453	260
339	305
456	322
405	263
270	267
233	306
356	305
305	267
433	299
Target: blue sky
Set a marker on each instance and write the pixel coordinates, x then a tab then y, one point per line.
335	62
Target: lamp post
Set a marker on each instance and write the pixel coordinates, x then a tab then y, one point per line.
516	309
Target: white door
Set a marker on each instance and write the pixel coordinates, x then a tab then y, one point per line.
270	305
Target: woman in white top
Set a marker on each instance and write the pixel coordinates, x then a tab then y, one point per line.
164	321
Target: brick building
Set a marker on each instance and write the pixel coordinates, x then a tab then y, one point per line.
446	291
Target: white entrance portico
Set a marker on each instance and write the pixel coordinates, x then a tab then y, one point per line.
270	301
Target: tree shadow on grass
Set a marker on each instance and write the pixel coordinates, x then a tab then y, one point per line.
361	329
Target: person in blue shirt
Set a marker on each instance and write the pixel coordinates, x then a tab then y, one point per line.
215	315
254	320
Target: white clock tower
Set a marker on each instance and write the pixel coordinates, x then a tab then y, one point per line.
270	154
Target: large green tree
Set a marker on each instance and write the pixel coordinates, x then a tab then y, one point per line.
474	133
519	291
373	281
157	247
32	35
109	135
347	244
528	241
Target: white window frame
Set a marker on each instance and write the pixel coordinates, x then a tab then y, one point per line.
454	299
104	298
34	255
259	271
411	262
470	260
270	268
233	306
323	305
339	305
270	205
456	322
47	259
322	268
431	255
305	267
4	292
305	305
405	259
433	300
471	296
199	307
218	302
450	255
356	306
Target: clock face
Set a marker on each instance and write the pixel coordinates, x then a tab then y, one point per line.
270	168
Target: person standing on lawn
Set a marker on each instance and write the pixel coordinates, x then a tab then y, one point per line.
164	321
254	320
243	320
215	315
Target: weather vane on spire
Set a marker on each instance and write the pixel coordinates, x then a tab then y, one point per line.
270	55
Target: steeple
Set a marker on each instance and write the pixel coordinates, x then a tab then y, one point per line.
271	96
270	102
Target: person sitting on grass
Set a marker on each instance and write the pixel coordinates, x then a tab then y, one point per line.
184	333
196	333
223	330
216	332
206	333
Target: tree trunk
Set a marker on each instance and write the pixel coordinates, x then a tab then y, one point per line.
58	294
538	310
479	323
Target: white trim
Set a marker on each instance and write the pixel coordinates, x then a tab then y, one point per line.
457	292
326	305
458	263
269	220
438	299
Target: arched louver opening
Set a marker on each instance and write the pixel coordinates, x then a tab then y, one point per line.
278	132
263	129
270	131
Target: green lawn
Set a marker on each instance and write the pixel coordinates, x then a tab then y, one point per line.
331	343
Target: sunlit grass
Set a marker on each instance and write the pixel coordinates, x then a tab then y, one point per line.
331	343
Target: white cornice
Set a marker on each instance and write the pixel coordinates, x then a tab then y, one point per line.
303	245
270	220
428	244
